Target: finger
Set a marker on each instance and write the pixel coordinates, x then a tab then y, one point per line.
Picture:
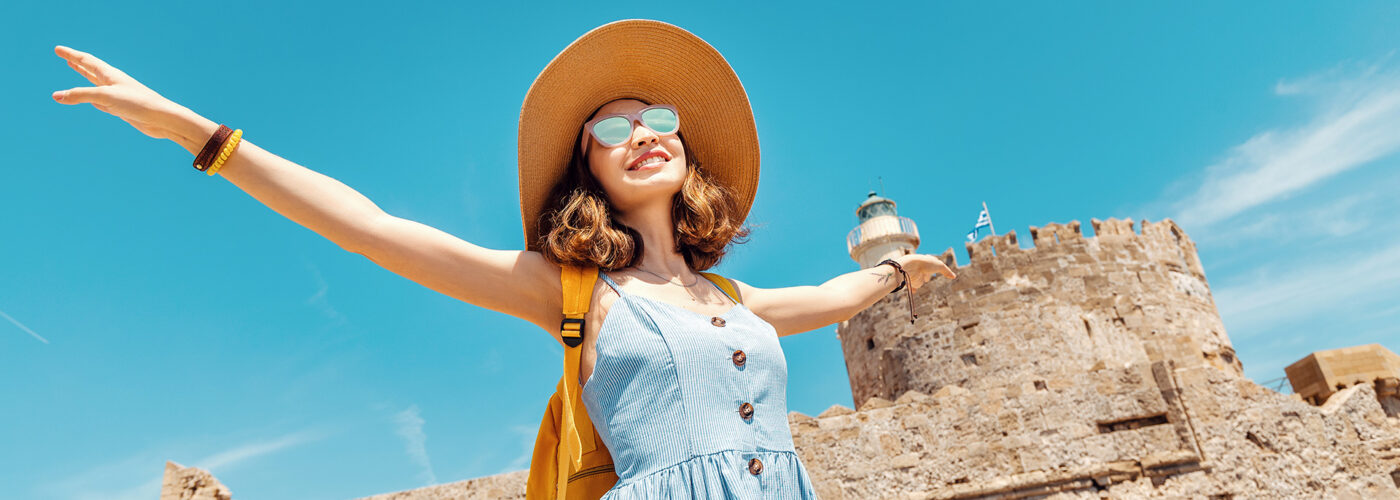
80	95
104	72
76	59
945	271
83	71
73	57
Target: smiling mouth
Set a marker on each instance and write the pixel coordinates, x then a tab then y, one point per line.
650	160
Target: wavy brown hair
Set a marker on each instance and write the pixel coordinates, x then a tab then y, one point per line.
578	226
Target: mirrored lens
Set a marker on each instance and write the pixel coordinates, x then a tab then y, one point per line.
660	120
613	131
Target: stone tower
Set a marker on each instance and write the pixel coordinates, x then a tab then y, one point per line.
1080	368
882	233
1040	317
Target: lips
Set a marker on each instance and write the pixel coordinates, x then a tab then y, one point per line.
637	163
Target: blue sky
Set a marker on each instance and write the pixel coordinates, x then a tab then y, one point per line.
152	313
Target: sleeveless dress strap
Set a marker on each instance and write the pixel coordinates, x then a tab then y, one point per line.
610	282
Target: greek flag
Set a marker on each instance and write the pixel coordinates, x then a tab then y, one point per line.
984	219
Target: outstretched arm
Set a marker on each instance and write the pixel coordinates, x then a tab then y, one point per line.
519	283
804	308
316	201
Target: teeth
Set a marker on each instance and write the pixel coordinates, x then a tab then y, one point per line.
651	161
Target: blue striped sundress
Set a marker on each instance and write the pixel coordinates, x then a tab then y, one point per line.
668	396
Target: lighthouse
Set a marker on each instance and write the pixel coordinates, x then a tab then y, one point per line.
882	234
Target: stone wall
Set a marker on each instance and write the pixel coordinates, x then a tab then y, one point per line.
1321	374
1081	368
1223	437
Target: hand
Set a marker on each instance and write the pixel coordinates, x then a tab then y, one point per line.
922	268
121	96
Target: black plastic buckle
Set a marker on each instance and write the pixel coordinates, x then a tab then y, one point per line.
570	340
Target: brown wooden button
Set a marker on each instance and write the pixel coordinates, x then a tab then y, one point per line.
755	466
717	321
746	411
739	358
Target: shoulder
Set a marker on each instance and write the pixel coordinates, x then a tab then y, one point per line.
746	292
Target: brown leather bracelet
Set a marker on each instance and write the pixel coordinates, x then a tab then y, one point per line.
211	149
909	292
899	268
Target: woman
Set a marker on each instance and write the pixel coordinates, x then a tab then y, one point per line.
606	179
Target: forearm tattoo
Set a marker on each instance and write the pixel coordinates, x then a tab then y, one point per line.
884	277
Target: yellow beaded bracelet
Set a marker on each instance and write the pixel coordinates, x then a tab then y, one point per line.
233	141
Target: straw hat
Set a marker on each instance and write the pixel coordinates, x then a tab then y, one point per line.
637	59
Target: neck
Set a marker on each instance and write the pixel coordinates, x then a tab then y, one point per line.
658	232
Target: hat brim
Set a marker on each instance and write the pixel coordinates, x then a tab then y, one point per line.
636	59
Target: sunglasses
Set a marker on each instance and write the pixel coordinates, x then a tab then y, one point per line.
616	129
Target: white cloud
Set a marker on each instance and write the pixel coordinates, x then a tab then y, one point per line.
112	481
319	300
228	458
1295	249
410	428
1341	217
1307	289
1358	122
25	328
1344	82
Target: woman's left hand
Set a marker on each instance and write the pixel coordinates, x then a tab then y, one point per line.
921	268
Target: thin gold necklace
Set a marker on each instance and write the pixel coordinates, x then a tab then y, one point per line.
697	278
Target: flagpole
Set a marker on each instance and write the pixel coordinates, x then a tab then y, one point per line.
990	226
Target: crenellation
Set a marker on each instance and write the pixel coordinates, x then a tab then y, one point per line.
1054	233
949	258
1162	242
977	249
1002	245
1112	227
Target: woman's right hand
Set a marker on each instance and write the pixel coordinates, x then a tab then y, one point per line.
122	96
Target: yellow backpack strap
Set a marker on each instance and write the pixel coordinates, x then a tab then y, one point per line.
724	284
578	292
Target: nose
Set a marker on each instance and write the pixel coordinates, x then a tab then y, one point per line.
641	135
